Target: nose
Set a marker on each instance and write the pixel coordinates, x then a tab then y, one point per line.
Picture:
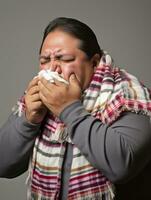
55	66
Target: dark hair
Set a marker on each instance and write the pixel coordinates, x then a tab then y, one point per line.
81	31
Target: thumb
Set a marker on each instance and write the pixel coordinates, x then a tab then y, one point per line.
73	79
75	87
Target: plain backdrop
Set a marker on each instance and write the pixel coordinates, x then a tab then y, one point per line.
123	28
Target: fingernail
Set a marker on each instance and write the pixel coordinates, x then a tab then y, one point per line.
72	76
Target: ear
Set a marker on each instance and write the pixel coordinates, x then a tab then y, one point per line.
95	60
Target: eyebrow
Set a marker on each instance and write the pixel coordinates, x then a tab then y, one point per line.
42	56
57	55
57	51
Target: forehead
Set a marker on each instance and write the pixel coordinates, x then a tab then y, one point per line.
58	41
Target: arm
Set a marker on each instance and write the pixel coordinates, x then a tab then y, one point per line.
120	151
18	134
17	138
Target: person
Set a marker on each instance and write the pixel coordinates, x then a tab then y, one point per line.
94	131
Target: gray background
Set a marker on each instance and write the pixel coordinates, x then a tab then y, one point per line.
122	27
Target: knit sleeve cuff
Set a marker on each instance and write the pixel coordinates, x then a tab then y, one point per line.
26	128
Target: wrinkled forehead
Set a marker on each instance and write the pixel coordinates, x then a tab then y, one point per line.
57	41
51	51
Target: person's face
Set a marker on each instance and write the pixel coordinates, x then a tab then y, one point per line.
60	52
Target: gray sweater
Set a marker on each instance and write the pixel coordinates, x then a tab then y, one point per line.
17	138
120	150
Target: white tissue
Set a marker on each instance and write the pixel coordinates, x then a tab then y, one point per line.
51	76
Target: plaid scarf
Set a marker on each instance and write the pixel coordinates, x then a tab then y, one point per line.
111	91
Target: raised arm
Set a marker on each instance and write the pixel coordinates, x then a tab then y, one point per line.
120	150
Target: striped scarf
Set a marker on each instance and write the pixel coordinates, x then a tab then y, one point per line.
111	91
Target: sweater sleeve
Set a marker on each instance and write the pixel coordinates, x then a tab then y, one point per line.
120	150
17	138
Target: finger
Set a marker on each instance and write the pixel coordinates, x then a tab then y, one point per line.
33	83
33	90
30	100
36	105
73	80
43	89
50	83
35	97
43	98
44	81
59	83
46	86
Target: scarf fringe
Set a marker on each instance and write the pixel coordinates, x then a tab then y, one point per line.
97	196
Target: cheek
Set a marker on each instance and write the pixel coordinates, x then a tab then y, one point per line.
73	69
42	66
67	70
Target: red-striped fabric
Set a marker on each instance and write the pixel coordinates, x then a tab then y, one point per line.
119	91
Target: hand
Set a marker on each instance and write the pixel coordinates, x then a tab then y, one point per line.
56	96
35	110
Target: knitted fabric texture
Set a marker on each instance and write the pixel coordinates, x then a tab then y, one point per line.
111	92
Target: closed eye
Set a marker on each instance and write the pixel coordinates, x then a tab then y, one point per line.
66	58
44	60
